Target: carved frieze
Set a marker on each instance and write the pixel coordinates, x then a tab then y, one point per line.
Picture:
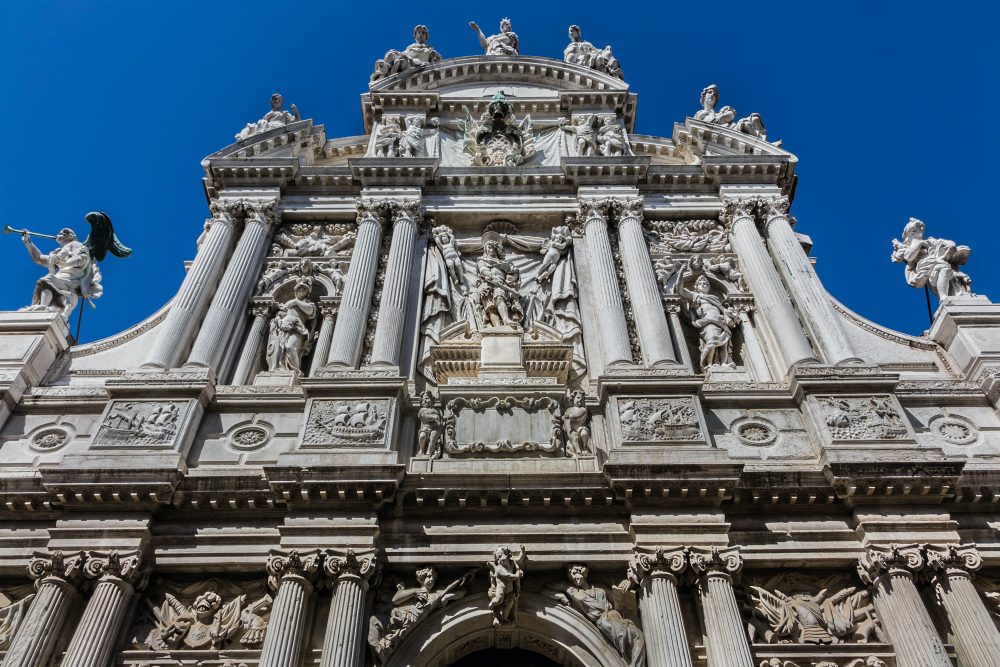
314	240
669	419
150	424
694	236
868	418
846	616
346	423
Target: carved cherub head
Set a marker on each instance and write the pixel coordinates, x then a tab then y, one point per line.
427	400
578	398
710	96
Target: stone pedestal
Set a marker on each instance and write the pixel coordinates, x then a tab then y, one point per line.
501	355
969	328
277	378
29	344
343	645
726	638
659	606
292	576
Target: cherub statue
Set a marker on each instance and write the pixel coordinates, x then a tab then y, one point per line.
288	341
611	139
387	139
574	420
582	128
504	44
714	320
430	425
276	117
506	573
206	624
933	262
583	53
592	602
553	249
73	269
418	54
411	141
444	239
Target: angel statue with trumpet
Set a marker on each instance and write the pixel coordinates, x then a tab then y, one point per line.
73	270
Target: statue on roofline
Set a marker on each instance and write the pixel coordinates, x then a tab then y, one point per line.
932	262
276	117
416	55
503	44
583	53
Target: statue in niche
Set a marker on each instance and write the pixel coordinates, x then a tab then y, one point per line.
583	53
288	340
387	139
430	420
207	623
846	616
412	605
611	139
592	601
714	320
575	419
506	573
584	134
752	125
504	44
932	262
498	282
497	139
412	141
276	117
416	55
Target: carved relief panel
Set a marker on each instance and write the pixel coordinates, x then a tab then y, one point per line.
670	419
861	418
128	424
348	422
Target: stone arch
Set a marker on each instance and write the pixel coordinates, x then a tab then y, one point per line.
543	626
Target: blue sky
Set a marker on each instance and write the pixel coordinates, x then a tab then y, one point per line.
890	107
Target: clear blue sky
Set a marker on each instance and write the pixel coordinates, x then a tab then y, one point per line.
891	108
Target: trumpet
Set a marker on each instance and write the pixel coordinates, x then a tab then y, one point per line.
7	229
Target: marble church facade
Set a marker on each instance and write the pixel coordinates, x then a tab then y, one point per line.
502	379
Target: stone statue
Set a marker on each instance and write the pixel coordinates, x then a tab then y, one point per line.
498	139
752	125
430	425
410	606
933	262
387	139
553	249
506	573
847	616
504	44
303	240
207	623
444	239
583	53
714	320
592	602
497	296
582	129
575	419
288	340
611	139
412	139
73	266
276	117
418	54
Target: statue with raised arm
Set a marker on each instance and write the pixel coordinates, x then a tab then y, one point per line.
288	339
73	270
498	286
412	140
418	54
611	139
504	44
714	320
932	262
276	117
506	573
584	134
583	53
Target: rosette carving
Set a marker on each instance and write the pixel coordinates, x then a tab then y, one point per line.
339	564
291	564
878	561
715	560
645	564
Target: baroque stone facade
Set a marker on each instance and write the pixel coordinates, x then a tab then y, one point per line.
500	378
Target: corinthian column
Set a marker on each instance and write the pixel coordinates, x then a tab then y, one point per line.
817	311
726	638
328	313
603	278
117	578
650	321
358	286
889	571
772	300
56	580
656	576
392	308
188	307
292	576
349	573
976	638
236	286
255	339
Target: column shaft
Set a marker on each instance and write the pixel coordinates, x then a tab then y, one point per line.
286	629
607	299
392	308
349	333
906	621
807	290
344	641
754	353
96	635
663	623
232	295
44	624
322	350
251	349
188	307
976	638
650	321
726	639
772	301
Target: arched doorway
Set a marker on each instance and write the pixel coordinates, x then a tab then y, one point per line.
514	657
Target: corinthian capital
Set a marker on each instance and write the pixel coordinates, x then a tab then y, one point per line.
405	208
734	208
262	209
878	561
595	209
223	209
777	207
57	565
291	564
661	561
626	208
370	209
348	563
715	560
953	557
129	566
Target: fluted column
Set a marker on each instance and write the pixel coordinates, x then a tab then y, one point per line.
975	635
260	311
656	576
343	645
756	359
188	307
889	571
392	309
726	639
117	576
292	576
349	333
772	301
650	321
817	310
56	580
236	286
328	313
603	278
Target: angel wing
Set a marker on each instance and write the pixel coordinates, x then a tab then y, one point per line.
253	621
228	618
102	238
770	605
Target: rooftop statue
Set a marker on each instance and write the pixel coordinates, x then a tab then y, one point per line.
583	53
418	54
73	269
276	117
752	125
504	44
931	261
497	139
